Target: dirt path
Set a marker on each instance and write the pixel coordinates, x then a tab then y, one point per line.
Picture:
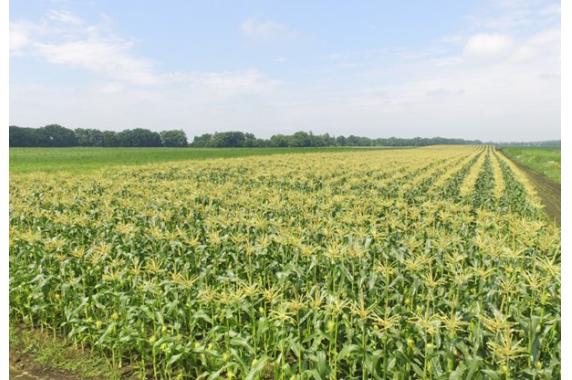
22	368
548	191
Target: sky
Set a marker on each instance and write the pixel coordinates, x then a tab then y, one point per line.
487	69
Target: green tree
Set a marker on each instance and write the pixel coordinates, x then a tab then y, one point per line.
300	139
228	140
89	137
138	137
202	141
19	137
174	138
110	139
56	135
279	141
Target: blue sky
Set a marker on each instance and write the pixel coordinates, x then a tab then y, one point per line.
473	69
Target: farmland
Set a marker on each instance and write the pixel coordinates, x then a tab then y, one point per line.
435	262
84	159
545	161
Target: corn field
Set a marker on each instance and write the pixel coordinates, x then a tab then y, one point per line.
432	263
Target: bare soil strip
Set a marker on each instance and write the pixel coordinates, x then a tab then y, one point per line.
548	191
23	368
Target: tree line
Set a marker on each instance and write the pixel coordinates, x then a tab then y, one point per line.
308	139
54	135
57	136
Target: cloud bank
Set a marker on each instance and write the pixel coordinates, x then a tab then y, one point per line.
496	79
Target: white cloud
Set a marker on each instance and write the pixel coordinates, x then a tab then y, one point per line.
123	88
483	98
64	17
107	57
485	45
62	38
109	88
485	88
480	83
539	44
551	10
512	15
225	84
263	29
249	81
18	38
65	39
447	61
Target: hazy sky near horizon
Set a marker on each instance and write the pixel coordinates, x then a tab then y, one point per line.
472	69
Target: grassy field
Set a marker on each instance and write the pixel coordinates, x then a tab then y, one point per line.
82	159
433	263
545	161
45	356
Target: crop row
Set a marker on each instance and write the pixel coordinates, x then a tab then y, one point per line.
329	265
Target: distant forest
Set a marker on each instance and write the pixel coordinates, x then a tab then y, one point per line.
57	136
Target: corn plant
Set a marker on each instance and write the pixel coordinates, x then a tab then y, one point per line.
393	264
